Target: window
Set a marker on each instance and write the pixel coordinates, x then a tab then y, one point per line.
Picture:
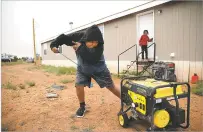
45	49
101	27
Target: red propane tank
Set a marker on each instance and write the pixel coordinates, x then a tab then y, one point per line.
194	78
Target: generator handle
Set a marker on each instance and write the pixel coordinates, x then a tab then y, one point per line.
174	85
134	78
188	108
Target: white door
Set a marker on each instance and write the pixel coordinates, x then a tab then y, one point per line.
145	21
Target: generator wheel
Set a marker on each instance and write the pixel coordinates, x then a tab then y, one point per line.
123	119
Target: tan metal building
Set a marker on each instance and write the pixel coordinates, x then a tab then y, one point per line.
176	26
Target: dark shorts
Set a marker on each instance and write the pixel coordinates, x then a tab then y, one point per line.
102	78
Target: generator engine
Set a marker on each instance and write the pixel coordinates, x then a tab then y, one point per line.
148	99
164	71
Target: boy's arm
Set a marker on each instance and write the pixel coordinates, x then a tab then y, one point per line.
66	39
150	40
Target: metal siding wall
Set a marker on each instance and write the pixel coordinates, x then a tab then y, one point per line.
186	40
179	29
69	52
110	41
200	33
119	39
199	42
42	51
192	37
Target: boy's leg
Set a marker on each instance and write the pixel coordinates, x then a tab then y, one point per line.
80	93
146	52
142	47
81	82
104	80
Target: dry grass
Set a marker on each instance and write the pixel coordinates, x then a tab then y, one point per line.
64	81
59	70
30	83
21	86
12	63
74	128
89	129
9	85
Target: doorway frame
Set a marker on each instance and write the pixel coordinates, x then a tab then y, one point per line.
137	25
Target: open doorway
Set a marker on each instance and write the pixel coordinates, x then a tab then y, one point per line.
145	21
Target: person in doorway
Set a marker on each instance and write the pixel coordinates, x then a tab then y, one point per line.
89	47
144	39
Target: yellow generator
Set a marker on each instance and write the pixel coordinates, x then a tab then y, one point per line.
149	99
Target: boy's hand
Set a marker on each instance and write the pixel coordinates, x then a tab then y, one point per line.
77	44
151	40
55	50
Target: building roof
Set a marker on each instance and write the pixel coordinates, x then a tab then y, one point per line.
114	16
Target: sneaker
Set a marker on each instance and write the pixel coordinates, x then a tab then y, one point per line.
81	112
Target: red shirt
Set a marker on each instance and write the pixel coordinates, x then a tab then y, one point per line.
143	40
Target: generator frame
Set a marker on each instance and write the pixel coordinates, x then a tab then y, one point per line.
153	100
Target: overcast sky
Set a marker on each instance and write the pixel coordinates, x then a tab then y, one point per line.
52	18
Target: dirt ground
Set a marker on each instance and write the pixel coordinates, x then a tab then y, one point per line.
29	110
